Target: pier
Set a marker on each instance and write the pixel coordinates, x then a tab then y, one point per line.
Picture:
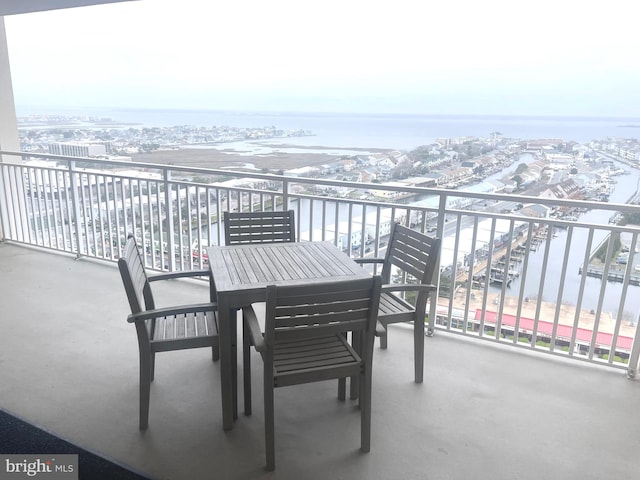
612	276
499	260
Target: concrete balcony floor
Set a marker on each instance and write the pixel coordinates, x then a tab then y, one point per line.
69	363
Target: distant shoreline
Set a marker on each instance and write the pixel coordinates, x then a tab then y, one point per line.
26	110
365	132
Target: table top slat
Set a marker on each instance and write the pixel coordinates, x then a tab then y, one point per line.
248	269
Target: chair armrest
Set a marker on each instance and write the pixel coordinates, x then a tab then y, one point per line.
251	321
169	311
368	260
408	287
180	274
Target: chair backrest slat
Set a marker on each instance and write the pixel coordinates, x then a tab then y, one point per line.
320	331
259	227
413	253
134	277
321	309
323	317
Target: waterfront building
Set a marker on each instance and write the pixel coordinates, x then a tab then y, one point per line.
79	149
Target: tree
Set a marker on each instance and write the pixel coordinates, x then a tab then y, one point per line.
521	168
518	179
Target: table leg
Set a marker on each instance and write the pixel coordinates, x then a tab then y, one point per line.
418	346
354	382
226	364
233	322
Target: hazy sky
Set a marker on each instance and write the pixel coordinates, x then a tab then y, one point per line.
549	57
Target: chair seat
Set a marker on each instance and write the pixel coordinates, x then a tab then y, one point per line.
310	360
393	305
199	329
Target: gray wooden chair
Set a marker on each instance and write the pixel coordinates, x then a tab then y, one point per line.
259	227
408	266
251	228
305	340
163	329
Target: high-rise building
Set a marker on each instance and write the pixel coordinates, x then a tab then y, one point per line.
79	149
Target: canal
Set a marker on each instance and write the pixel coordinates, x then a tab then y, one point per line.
549	288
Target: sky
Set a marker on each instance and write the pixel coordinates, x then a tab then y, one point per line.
490	57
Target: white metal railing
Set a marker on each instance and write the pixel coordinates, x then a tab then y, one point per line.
552	284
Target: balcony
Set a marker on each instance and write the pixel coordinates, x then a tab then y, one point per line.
512	371
69	364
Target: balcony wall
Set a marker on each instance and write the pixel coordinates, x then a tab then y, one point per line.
511	269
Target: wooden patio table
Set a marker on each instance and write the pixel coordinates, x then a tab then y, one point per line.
240	274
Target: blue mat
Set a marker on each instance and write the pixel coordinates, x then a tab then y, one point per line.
20	437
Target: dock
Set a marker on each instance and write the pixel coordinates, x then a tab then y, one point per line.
499	260
612	276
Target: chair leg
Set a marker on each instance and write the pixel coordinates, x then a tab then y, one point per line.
418	349
269	421
152	366
354	388
342	389
215	351
365	412
146	374
383	338
354	383
246	367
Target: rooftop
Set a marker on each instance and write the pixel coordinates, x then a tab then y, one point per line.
69	363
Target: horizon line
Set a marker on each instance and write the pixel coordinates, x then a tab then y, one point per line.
267	111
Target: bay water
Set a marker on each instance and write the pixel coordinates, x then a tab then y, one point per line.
392	131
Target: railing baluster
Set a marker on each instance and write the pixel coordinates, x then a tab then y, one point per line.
31	208
583	280
83	213
57	207
472	264
523	282
506	278
454	272
92	201
487	277
543	276
200	239
5	196
603	286
623	298
563	275
152	237
311	222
